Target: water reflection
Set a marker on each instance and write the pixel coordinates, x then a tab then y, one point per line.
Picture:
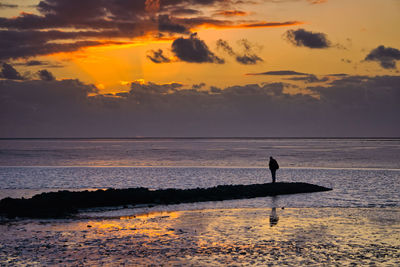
214	237
273	218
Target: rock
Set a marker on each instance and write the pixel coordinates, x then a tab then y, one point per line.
65	203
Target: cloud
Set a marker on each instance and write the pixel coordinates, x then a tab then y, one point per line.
25	44
46	75
308	39
35	63
300	76
157	56
348	106
8	72
386	56
279	72
251	25
314	2
338	75
184	11
231	13
166	25
226	47
152	5
308	79
198	86
246	58
4	6
67	26
194	50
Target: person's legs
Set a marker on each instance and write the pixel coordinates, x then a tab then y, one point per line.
273	172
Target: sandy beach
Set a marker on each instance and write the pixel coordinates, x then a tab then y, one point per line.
213	237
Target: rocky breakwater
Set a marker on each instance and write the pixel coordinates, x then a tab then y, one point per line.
65	203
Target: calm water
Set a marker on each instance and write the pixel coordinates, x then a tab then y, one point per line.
363	172
357	223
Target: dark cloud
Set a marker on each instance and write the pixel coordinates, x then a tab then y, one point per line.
348	106
308	39
29	35
128	17
98	14
166	25
4	6
338	75
198	86
194	50
215	90
157	56
298	76
46	75
250	25
24	44
280	73
226	47
386	56
309	79
153	88
184	11
210	22
264	24
248	57
8	72
36	63
90	22
231	13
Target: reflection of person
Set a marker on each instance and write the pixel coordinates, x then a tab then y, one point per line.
273	166
273	218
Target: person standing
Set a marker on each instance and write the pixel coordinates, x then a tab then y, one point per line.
273	166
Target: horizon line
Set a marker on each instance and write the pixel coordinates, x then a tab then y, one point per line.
199	137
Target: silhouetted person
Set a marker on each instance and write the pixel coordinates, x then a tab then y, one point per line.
273	166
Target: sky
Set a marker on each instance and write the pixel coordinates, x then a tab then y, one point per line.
199	68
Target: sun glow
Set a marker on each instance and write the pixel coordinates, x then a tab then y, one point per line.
111	67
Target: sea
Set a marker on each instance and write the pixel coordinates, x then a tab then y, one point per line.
364	174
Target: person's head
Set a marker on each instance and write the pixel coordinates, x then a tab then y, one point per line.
270	157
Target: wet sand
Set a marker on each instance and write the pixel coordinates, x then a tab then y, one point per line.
236	237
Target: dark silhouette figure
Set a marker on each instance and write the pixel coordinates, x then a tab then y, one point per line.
273	218
273	166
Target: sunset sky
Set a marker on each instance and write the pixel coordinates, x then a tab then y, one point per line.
130	68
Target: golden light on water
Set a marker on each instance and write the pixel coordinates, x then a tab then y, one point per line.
312	236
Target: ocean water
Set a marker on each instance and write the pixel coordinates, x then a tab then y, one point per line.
362	172
357	223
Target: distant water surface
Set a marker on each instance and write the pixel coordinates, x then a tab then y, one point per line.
331	153
363	172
